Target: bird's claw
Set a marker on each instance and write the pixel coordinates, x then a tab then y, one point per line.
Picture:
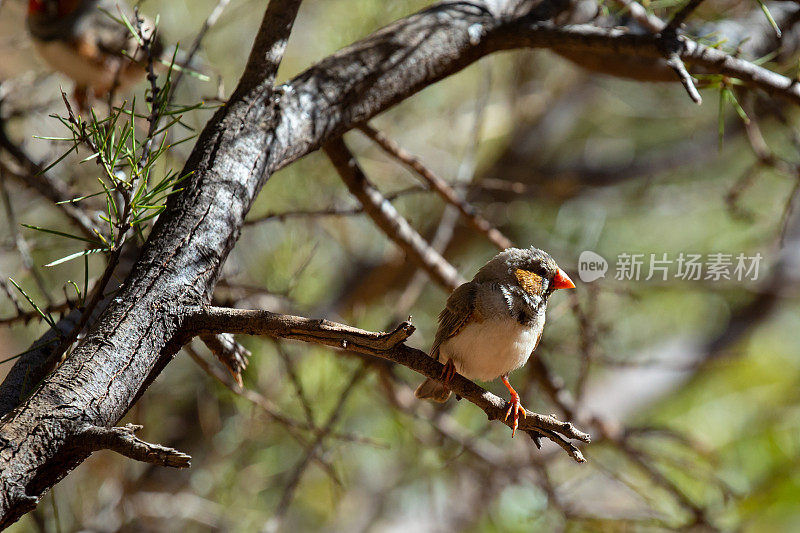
448	372
515	406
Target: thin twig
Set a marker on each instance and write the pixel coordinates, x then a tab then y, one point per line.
679	17
661	480
27	316
442	188
675	62
12	296
209	23
230	353
640	14
154	117
20	242
788	209
291	371
388	219
657	27
270	408
300	468
587	319
329	211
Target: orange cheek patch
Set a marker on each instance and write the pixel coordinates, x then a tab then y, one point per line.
530	282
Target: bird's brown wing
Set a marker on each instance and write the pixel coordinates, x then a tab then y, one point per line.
457	312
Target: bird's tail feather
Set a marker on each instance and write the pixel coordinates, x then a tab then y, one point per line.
431	389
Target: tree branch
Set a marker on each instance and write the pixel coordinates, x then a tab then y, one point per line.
388	219
389	346
230	353
648	20
124	441
442	188
675	63
593	41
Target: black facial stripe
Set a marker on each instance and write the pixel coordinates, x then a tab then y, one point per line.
508	298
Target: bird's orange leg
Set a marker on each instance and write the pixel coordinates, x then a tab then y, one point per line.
514	405
448	372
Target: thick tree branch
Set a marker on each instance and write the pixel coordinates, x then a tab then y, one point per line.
378	72
656	26
216	320
389	346
592	41
134	339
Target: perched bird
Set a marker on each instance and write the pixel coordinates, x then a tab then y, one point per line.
490	325
80	39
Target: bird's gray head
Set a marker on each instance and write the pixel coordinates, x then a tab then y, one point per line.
531	269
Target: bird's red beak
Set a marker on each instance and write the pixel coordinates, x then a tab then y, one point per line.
562	281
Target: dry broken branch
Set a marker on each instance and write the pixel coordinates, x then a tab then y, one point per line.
230	353
123	440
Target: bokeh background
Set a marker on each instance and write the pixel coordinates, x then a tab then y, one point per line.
690	428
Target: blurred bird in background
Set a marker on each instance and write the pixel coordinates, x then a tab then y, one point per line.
81	39
490	325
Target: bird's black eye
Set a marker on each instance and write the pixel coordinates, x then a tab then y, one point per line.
537	268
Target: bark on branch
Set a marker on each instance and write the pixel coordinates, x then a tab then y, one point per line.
389	346
587	42
124	441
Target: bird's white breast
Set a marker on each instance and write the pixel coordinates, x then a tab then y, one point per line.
85	71
491	348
